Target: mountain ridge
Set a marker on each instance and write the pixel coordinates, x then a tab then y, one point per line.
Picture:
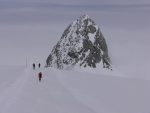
82	44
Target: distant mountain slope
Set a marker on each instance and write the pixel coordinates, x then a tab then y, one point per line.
82	44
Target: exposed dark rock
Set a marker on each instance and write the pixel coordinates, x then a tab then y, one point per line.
82	44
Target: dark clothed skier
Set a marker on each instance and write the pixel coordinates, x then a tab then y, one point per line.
33	66
40	76
39	65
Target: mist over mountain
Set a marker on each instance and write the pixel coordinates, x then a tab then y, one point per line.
82	44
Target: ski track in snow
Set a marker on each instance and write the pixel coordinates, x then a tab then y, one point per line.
10	95
28	95
80	103
73	92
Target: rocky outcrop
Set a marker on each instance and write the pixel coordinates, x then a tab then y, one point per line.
82	44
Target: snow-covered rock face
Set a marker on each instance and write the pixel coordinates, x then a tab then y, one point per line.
82	44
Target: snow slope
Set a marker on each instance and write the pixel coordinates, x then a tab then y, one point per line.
70	92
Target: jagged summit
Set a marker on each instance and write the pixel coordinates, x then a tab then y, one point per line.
82	44
84	17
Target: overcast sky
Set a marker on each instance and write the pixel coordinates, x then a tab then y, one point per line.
30	28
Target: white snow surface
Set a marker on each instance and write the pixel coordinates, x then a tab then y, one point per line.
71	91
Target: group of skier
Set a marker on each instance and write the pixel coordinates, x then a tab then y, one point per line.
40	73
34	65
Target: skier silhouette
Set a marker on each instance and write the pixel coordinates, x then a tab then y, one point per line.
33	66
40	76
39	65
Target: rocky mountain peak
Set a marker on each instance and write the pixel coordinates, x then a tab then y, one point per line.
84	17
82	44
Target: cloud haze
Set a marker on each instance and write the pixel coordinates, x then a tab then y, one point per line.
30	28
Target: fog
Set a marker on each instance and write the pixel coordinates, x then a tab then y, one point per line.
30	29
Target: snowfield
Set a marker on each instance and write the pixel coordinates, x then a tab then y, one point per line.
63	91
